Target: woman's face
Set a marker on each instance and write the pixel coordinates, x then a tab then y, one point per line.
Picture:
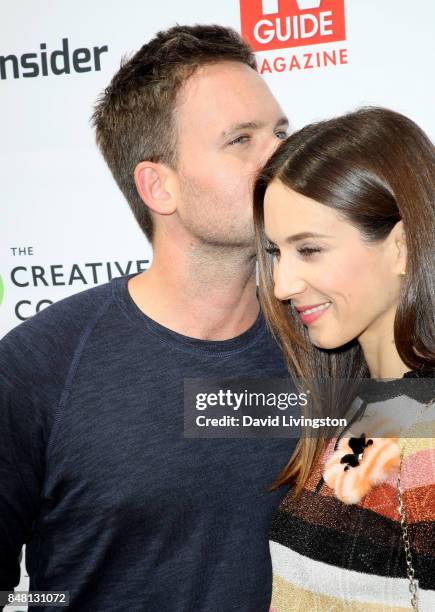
342	286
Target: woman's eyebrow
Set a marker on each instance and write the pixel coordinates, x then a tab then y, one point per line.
300	236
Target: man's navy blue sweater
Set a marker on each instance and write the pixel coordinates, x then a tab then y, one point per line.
113	503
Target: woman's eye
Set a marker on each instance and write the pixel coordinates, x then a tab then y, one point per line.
282	135
308	251
240	140
272	250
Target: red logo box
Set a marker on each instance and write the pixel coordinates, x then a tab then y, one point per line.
278	24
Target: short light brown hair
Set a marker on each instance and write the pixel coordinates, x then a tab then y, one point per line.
133	117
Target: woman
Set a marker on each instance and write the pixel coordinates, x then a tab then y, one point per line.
345	226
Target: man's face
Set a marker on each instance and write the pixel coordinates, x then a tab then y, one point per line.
228	124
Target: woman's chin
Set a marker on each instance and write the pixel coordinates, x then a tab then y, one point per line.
328	342
326	345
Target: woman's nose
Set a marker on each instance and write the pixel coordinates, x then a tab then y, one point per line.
287	282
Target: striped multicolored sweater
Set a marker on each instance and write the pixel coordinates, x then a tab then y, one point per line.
329	556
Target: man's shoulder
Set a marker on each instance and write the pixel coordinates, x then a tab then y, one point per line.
60	317
48	340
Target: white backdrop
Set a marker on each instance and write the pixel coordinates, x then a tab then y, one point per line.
60	205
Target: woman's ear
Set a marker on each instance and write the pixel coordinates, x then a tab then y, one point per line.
398	236
154	183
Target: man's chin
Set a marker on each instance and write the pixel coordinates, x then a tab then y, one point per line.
232	242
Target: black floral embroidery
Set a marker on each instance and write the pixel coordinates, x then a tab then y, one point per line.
358	445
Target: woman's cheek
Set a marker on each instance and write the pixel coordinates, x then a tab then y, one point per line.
345	273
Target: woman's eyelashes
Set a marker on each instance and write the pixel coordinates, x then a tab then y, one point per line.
308	251
305	251
272	250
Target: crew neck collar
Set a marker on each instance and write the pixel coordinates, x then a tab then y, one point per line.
169	336
417	385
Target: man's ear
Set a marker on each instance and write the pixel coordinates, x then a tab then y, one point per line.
398	236
154	184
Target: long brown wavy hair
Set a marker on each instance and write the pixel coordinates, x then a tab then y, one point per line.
375	167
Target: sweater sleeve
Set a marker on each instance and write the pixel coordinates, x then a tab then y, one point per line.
22	454
35	359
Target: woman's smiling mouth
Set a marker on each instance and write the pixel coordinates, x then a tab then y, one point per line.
310	313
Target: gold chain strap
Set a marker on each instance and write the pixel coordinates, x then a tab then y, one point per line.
413	584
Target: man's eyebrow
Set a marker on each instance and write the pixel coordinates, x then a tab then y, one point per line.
237	127
300	236
282	122
251	125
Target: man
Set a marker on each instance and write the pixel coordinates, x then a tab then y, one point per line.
114	504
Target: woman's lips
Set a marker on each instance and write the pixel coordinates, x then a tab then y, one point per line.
309	317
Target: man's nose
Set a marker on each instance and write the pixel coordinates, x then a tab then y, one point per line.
266	147
287	282
271	146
